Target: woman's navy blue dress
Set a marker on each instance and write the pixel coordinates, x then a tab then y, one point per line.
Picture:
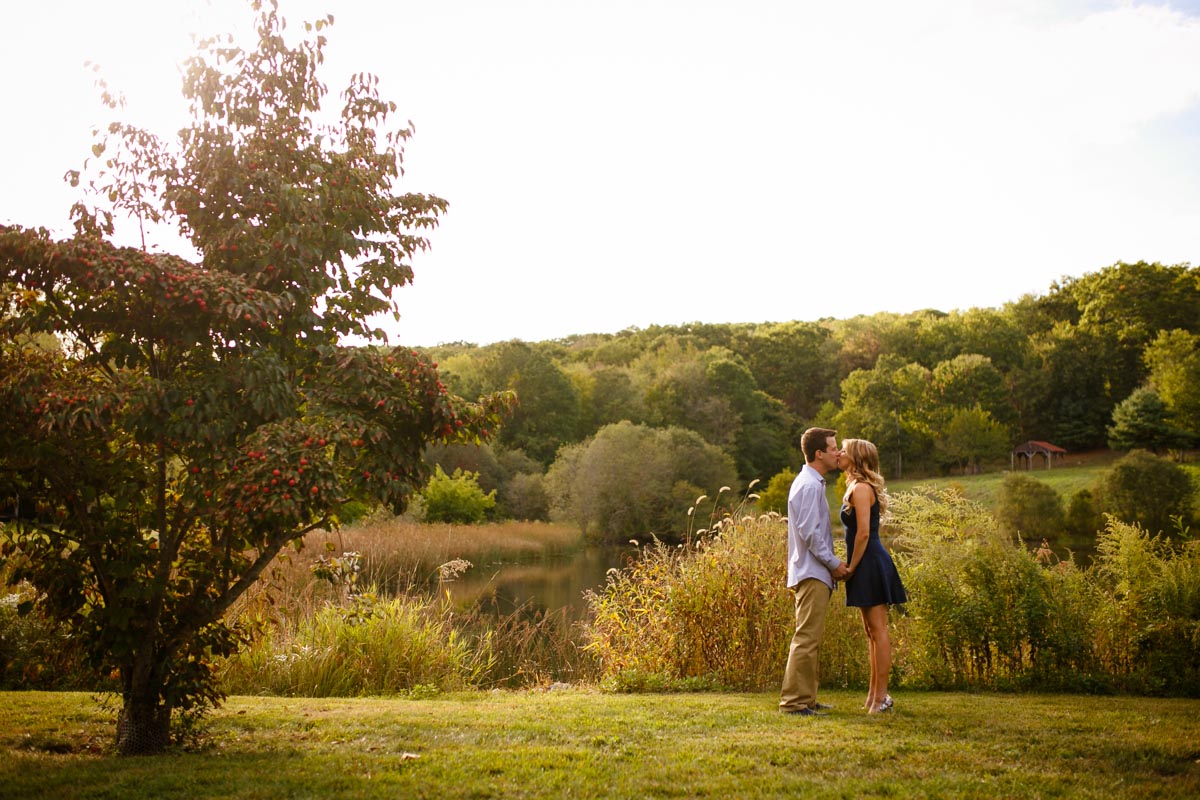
875	581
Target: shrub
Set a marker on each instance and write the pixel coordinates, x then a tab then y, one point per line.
480	459
774	498
524	497
985	611
1147	490
456	498
1083	518
37	652
989	613
1029	508
1067	659
1148	610
352	511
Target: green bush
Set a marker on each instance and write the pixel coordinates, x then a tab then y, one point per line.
986	612
1029	508
1149	491
35	651
352	511
524	497
1083	518
1147	617
775	496
456	498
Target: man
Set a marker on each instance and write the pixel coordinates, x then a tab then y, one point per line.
811	571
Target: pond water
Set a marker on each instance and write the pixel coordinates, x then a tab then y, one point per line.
548	584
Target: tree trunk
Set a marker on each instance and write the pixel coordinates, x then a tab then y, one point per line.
144	725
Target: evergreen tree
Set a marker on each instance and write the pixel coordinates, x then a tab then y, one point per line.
1143	421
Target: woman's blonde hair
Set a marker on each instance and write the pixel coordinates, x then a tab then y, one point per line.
864	468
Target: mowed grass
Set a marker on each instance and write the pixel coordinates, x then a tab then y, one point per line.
985	488
582	743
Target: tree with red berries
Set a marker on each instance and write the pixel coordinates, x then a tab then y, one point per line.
170	425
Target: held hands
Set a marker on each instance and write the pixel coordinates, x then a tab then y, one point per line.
841	573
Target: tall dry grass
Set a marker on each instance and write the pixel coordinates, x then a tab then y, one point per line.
714	613
397	553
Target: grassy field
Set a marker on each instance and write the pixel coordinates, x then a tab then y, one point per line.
579	743
1080	473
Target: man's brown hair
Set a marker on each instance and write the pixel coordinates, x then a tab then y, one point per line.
814	441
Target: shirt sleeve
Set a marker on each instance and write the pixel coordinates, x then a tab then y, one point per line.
812	528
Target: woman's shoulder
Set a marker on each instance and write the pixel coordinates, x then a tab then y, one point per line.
865	494
862	489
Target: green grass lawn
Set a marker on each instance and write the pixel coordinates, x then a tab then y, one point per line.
1081	471
581	743
985	488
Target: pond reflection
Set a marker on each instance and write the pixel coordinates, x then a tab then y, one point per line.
546	585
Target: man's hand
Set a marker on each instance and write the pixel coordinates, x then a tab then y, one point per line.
841	572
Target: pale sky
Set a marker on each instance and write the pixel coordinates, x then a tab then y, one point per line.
622	163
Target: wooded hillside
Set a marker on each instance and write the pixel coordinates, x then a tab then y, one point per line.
1109	357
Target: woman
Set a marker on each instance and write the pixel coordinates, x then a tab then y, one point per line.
873	583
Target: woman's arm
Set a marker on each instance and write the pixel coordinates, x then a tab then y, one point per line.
860	499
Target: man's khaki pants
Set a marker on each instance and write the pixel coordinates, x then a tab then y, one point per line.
801	676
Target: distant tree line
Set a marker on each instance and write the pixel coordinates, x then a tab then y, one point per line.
1112	357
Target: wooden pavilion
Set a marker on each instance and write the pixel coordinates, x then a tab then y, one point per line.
1032	449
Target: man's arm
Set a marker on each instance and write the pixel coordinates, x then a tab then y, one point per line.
809	526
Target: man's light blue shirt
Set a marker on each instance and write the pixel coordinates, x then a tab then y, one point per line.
810	536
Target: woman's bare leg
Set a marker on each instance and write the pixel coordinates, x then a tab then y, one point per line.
876	621
872	701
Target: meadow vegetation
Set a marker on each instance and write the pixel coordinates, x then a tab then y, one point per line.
986	610
364	611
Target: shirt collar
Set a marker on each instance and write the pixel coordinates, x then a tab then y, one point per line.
815	474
